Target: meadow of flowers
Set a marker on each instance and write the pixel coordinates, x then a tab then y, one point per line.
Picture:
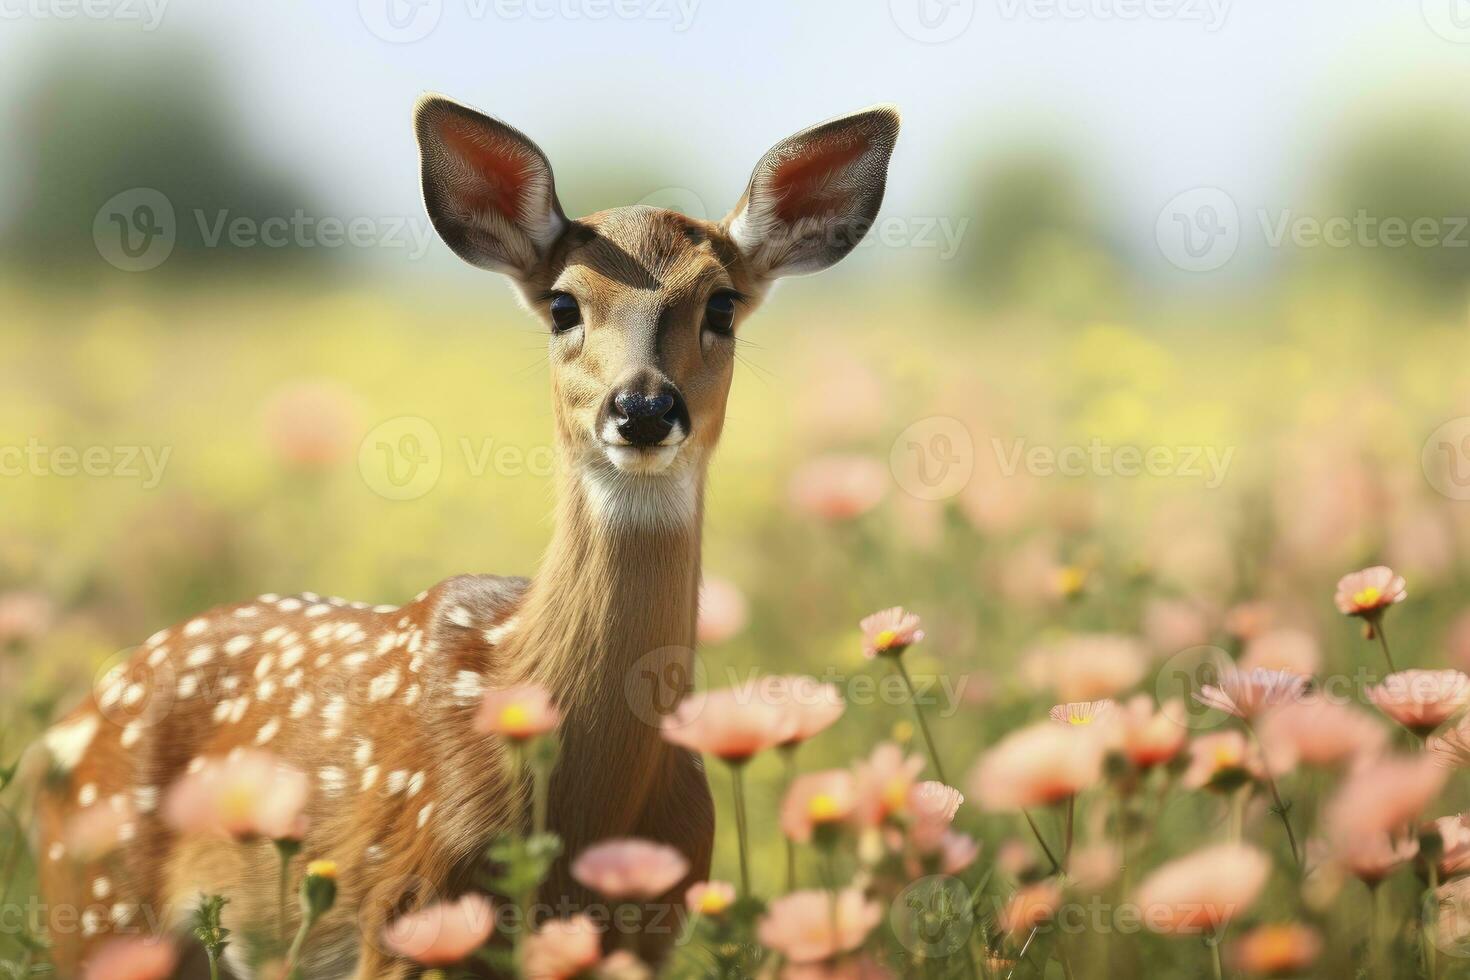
1200	720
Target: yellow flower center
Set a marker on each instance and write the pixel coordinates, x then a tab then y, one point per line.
1367	597
895	794
236	804
1226	757
823	808
1070	580
712	903
1277	945
515	719
1079	719
885	639
323	869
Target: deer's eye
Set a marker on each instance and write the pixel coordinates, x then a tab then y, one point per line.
565	313
719	314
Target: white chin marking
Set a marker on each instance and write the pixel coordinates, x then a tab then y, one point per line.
630	459
665	497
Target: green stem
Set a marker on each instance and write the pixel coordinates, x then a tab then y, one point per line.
789	754
292	955
919	714
1056	865
281	891
213	965
1071	818
1214	943
540	792
1431	924
737	779
1276	798
1377	624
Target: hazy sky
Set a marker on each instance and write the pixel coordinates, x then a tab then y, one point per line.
1159	96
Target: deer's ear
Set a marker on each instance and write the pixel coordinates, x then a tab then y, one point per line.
488	188
814	195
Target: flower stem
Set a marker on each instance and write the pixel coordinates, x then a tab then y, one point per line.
1214	943
1276	798
1383	642
789	754
1431	925
1071	818
919	714
1056	865
737	779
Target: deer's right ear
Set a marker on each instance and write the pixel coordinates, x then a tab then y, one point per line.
488	189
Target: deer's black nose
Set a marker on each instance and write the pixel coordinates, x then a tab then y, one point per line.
646	420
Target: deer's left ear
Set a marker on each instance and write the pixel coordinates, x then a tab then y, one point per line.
814	195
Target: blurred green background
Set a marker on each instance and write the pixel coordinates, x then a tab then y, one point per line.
1057	266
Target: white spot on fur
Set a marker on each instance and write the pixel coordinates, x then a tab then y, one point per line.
101	887
301	705
133	695
268	731
156	639
195	764
415	784
363	754
369	778
424	813
157	656
199	656
145	799
237	645
333	712
397	779
354	660
320	609
188	686
92	922
56	851
411	695
265	690
246	612
333	780
195	626
497	634
468	687
381	688
68	743
288	605
263	666
87	795
131	732
460	616
291	656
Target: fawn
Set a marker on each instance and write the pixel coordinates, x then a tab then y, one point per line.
641	306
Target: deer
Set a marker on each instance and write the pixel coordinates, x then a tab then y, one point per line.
641	307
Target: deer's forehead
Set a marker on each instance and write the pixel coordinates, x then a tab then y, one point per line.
642	250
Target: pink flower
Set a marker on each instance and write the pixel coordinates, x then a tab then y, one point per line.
1171	625
1151	738
1382	796
244	795
818	800
622	965
839	487
1222	761
1369	592
1029	907
24	617
1451	748
132	959
443	933
1089	667
722	611
1245	693
813	705
1204	890
732	724
1094	867
1277	950
1319	732
1291	650
883	781
1372	857
1455	832
517	713
1039	765
630	868
96	831
311	424
1097	714
957	852
810	926
890	632
562	949
1421	700
931	809
710	898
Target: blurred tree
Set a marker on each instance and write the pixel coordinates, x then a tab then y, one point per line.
96	123
1407	169
1037	240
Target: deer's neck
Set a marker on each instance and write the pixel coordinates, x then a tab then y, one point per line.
615	600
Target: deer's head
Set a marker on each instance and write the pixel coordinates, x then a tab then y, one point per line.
642	305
